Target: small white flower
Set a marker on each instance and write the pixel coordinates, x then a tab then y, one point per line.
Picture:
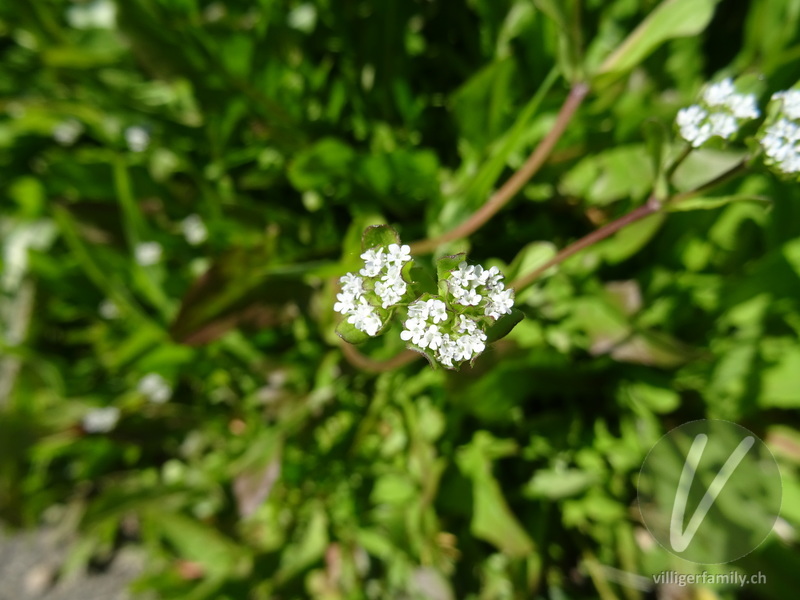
148	253
691	121
791	102
499	304
437	310
780	143
389	294
432	338
346	303
108	309
100	14
722	125
720	116
415	329
744	106
466	325
101	420
67	132
418	309
718	94
492	278
155	388
194	230
470	298
399	254
352	284
374	261
463	275
137	138
448	351
470	346
364	317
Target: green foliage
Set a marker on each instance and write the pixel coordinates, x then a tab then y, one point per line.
282	468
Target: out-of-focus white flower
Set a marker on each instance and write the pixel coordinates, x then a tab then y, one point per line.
780	139
781	145
108	309
67	132
137	138
194	230
790	100
100	14
148	253
720	114
303	18
155	388
17	240
101	420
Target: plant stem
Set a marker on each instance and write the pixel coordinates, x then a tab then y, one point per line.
653	205
515	183
650	207
687	149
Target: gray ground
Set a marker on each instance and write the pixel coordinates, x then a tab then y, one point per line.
29	563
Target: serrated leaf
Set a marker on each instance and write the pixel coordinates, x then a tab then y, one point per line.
447	263
378	235
503	326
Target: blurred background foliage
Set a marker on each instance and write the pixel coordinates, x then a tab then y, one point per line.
278	470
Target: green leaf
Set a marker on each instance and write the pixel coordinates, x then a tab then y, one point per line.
671	19
705	203
378	235
615	174
531	257
351	246
198	542
492	518
326	164
242	287
503	326
309	549
628	241
562	483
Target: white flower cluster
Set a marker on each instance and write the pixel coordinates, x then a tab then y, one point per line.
455	333
429	326
380	281
472	285
100	420
148	253
719	114
781	140
155	388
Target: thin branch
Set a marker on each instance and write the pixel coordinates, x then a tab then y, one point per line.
652	205
516	182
